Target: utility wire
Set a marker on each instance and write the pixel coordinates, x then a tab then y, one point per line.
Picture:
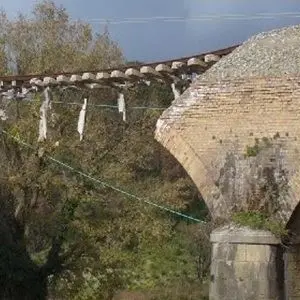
106	106
109	106
290	13
105	184
203	17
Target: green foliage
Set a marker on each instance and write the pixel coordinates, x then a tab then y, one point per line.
160	266
252	151
121	244
51	42
253	220
277	228
257	220
85	240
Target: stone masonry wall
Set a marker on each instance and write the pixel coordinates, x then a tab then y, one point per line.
211	126
246	265
292	272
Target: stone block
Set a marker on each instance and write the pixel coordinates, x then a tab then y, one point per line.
248	271
259	253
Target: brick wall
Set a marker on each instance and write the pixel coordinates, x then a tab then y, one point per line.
209	128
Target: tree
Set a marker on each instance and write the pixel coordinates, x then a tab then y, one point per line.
3	35
51	42
80	234
64	234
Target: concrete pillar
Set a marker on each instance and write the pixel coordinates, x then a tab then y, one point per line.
292	272
246	264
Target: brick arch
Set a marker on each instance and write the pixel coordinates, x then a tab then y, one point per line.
209	127
196	169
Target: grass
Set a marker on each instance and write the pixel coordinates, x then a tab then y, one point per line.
258	146
257	220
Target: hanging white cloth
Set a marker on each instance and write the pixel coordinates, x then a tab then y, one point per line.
8	95
175	91
3	115
122	106
81	119
43	115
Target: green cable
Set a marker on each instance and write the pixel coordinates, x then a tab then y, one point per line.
105	184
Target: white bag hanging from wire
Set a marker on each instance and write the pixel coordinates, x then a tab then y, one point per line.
81	119
176	92
122	105
43	115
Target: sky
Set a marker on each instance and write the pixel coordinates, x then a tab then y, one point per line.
160	40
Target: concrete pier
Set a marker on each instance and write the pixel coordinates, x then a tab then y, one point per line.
246	264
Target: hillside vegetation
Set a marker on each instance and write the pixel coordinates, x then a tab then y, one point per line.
64	236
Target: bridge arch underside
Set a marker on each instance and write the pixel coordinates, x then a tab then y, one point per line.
239	140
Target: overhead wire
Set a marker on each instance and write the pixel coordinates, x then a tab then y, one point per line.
109	106
202	17
104	183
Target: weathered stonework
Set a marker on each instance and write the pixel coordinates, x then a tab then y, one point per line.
211	126
292	272
246	265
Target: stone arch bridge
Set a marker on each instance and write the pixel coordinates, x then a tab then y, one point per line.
239	140
209	128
